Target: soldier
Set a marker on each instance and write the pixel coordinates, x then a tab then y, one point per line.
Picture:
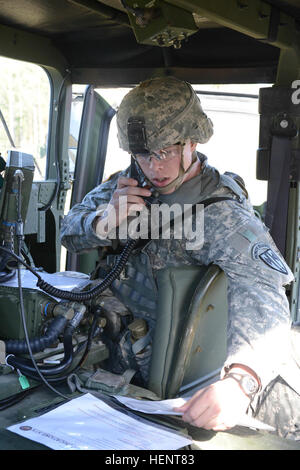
160	123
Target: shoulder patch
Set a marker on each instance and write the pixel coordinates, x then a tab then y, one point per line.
269	257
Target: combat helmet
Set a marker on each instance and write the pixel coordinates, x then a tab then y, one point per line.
159	113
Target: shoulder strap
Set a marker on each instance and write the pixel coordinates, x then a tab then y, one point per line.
213	200
238	180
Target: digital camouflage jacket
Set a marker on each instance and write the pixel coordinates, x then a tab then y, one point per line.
237	241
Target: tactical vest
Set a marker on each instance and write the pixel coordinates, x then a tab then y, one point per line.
136	288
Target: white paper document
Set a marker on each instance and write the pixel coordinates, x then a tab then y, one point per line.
87	423
165	407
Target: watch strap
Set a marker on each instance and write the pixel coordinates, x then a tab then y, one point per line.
253	386
245	369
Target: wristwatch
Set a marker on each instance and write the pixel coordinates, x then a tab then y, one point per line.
247	382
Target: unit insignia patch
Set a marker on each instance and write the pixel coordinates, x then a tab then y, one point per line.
269	257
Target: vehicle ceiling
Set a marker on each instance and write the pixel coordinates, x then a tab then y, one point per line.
96	36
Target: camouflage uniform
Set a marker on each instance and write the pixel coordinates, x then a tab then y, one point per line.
234	239
182	115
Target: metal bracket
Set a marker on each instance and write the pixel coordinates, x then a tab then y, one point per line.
283	125
274	23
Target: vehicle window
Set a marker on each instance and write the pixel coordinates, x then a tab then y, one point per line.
234	112
117	159
24	111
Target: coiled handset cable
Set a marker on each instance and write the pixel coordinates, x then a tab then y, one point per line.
89	294
109	278
59	293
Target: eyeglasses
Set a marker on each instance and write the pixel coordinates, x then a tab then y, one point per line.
166	154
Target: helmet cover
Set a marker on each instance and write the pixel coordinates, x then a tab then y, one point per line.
171	112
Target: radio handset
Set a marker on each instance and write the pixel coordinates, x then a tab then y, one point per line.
136	173
137	140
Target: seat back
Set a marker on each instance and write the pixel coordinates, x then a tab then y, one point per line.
190	335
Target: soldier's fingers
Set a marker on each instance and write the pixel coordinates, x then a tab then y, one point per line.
218	427
190	402
123	182
132	190
131	199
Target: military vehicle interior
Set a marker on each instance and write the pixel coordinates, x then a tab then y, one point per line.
52	324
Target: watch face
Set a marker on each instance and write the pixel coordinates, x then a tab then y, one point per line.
249	384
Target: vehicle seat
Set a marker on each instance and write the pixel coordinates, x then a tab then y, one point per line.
190	336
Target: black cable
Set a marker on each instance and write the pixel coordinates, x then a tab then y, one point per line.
20	260
22	363
82	296
87	295
56	327
27	339
92	332
97	290
7	402
86	344
25	365
7	276
19	238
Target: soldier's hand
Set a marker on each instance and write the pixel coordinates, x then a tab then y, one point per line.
218	406
126	199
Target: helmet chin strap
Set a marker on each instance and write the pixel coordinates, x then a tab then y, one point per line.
178	180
